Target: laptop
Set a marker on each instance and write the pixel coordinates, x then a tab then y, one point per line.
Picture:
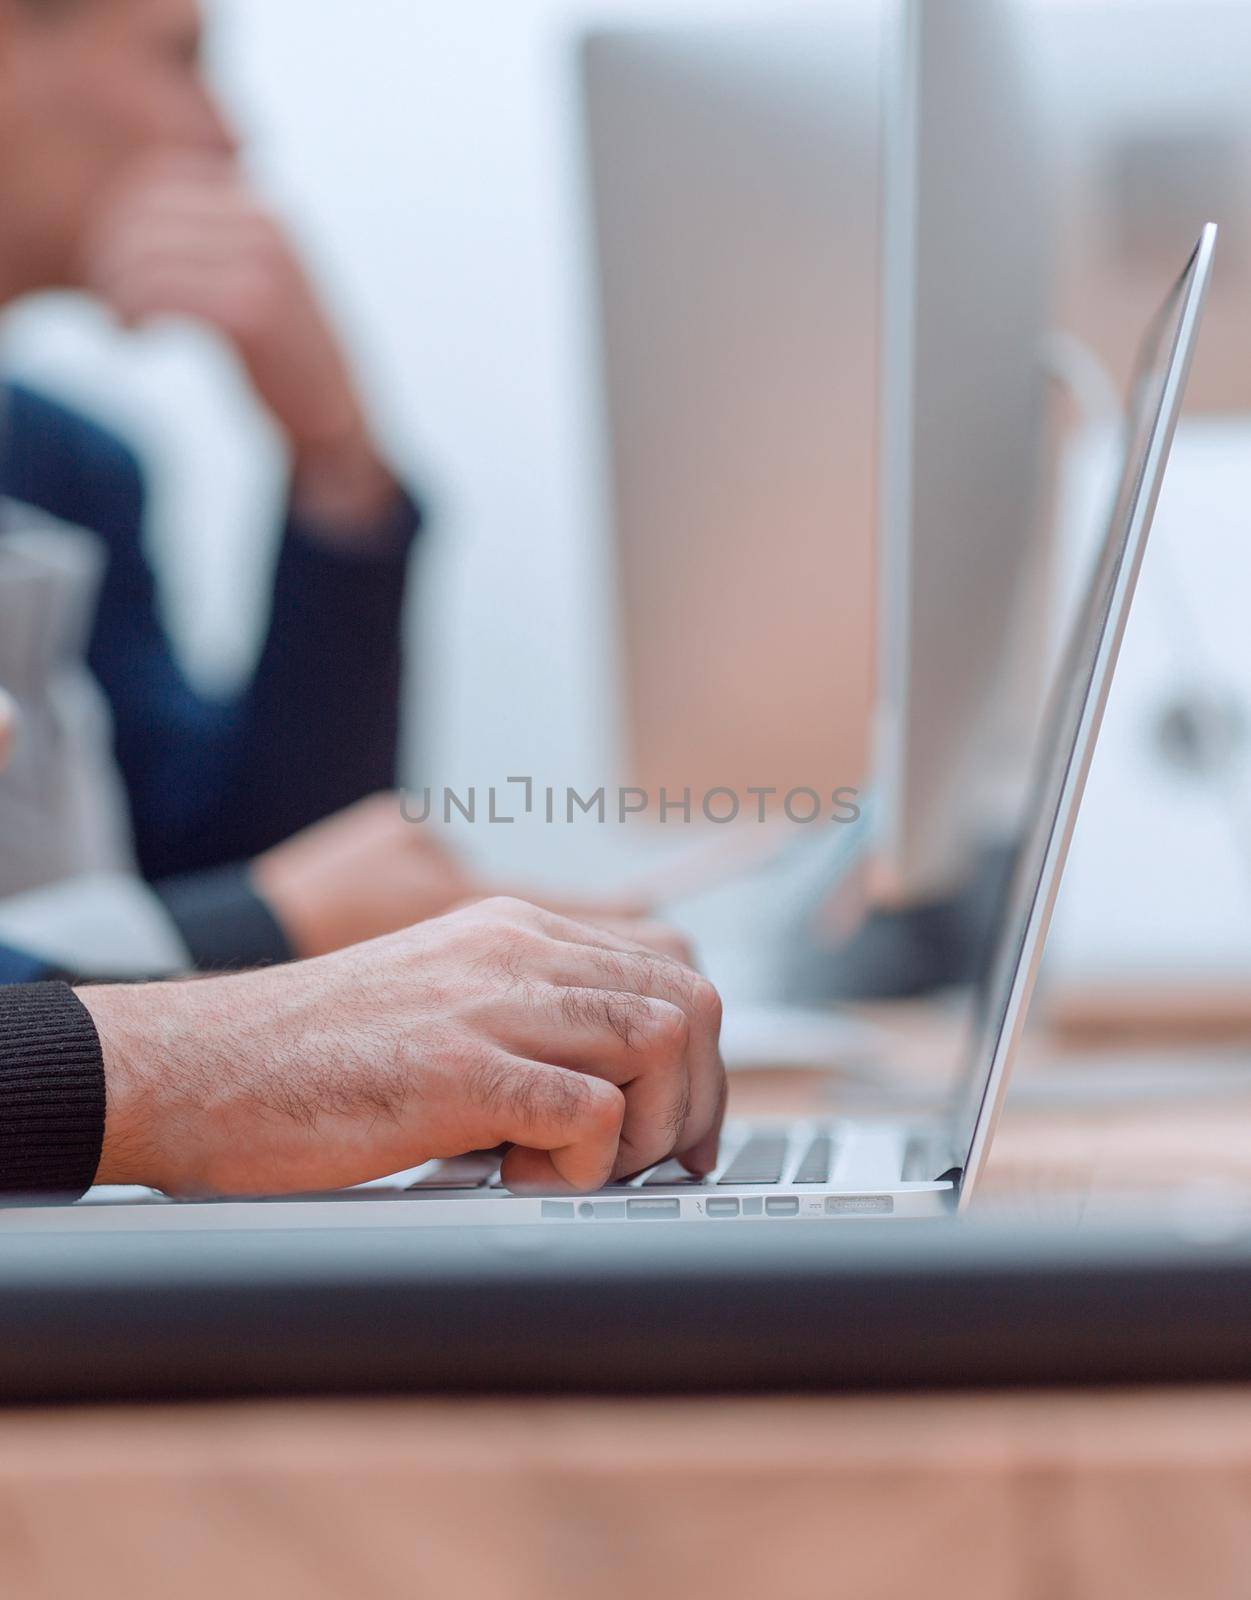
839	1169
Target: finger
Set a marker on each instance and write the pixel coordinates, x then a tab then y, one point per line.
702	1158
637	1043
566	930
572	1120
576	956
198	265
644	973
206	194
226	300
658	1099
182	163
616	913
148	245
633	963
639	933
526	1171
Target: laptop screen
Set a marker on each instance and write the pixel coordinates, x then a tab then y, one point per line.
1075	707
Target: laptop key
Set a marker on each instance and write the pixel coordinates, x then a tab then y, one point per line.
817	1161
760	1160
461	1172
670	1174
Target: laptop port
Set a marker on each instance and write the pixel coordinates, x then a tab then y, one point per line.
721	1206
783	1205
653	1210
859	1205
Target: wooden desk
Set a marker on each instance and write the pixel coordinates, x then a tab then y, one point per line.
1042	1499
1047	1496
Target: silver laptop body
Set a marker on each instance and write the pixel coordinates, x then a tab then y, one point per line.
830	1168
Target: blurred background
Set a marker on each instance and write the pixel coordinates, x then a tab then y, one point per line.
479	190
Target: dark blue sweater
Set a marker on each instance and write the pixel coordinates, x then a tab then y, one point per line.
214	782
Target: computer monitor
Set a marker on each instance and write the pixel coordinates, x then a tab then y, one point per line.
735	186
824	288
965	311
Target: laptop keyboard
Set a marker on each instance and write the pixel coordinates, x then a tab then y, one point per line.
762	1159
751	1158
817	1162
462	1172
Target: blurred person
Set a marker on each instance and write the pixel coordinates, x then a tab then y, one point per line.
119	176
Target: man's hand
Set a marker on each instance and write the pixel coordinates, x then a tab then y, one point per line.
369	871
186	236
590	1055
357	876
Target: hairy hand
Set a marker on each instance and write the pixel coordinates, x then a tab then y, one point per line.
589	1054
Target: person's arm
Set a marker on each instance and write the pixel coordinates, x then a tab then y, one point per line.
224	922
113	927
320	723
210	781
52	1092
176	748
589	1054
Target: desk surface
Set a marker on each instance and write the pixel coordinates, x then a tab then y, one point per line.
1144	1495
1125	1493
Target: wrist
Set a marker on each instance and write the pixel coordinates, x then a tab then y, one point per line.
171	1053
125	1022
222	919
280	887
340	484
180	1060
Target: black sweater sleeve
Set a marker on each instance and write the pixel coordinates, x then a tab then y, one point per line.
224	923
209	780
51	1092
